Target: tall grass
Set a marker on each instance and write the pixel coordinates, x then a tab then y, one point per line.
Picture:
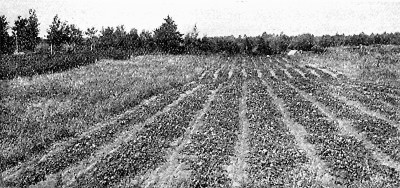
43	109
379	64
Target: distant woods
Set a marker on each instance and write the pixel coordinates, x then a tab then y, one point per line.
119	43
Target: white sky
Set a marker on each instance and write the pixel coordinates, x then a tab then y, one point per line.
218	17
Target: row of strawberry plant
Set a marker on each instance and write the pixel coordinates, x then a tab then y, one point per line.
280	73
378	94
349	160
83	147
383	88
381	133
321	73
307	73
213	144
273	150
371	103
148	149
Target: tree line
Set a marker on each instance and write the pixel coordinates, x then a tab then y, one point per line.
65	37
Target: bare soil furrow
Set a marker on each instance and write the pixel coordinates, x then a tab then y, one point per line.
294	73
307	73
349	161
312	71
316	166
378	132
231	71
347	129
375	104
325	71
375	88
373	94
300	72
237	170
365	110
275	159
322	74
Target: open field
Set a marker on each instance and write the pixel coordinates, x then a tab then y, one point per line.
201	122
38	111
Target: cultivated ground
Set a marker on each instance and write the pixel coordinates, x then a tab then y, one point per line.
241	122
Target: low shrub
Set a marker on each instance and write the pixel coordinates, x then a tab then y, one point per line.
318	49
31	64
113	53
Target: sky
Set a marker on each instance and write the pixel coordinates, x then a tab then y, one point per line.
218	17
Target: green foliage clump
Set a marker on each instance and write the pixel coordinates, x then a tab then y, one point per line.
6	41
167	37
31	64
303	42
26	32
61	33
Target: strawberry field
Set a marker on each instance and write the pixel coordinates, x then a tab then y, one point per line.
245	122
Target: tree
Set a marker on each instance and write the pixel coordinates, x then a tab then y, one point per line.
191	41
167	37
303	42
61	33
92	38
57	34
146	41
106	39
120	37
279	43
26	32
133	39
263	46
75	35
5	39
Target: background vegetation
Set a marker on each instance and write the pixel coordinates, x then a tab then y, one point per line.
70	44
376	63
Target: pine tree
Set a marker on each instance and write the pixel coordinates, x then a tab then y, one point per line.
167	37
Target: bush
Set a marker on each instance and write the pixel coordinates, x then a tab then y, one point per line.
318	49
31	64
113	53
42	48
303	42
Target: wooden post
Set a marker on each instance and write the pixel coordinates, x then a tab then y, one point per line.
51	49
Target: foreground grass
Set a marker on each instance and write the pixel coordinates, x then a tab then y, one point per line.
377	64
40	110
